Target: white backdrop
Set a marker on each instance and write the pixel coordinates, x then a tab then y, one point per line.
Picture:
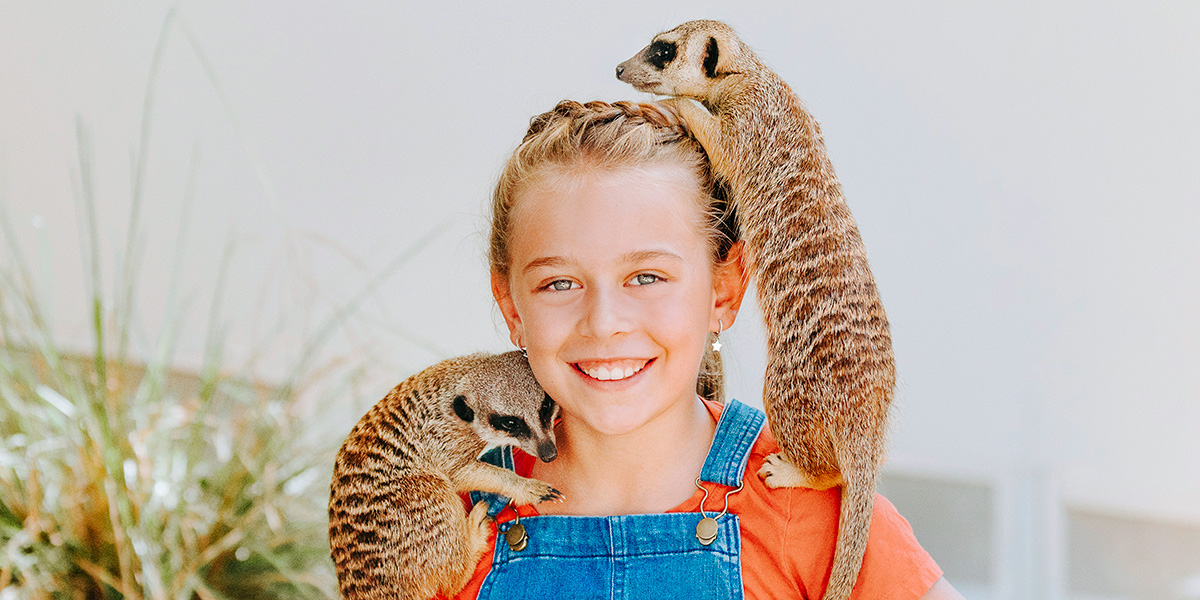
1025	177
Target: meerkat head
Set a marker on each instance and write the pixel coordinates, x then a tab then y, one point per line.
689	61
499	399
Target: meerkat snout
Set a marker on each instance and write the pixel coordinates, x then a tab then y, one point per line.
547	451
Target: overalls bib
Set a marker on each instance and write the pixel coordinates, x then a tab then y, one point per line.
639	557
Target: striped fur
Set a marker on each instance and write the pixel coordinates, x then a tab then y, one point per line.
397	528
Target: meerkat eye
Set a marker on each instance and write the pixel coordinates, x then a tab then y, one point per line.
514	426
660	53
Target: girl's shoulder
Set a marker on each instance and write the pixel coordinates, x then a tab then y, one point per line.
789	534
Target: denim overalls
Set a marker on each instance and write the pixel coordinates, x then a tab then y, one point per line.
631	556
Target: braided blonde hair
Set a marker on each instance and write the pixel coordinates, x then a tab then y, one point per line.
612	136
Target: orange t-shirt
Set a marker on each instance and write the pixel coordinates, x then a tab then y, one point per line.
788	537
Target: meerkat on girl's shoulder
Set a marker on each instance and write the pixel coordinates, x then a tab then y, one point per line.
830	374
396	523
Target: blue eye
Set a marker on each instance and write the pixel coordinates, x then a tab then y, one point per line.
561	285
645	279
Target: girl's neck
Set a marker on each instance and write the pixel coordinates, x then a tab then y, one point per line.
648	470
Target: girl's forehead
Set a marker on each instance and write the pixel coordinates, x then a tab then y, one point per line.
648	189
618	210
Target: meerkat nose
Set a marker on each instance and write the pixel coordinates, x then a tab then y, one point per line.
546	451
620	70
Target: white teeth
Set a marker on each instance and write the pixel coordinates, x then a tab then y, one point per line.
613	374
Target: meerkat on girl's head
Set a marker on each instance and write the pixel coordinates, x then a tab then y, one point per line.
397	529
830	374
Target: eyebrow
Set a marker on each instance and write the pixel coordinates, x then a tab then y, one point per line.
628	257
645	255
545	261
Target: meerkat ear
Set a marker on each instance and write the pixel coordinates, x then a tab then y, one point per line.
712	55
461	409
547	411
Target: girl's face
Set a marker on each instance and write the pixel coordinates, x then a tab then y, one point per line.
613	291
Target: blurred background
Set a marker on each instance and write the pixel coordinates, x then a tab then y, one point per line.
230	227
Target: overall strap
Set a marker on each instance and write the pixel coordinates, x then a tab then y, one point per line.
737	431
500	456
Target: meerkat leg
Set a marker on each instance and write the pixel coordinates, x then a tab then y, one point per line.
479	525
490	478
706	128
777	471
478	531
479	519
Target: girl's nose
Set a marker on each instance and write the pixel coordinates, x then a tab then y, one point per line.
605	314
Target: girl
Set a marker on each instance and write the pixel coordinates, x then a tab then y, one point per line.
614	262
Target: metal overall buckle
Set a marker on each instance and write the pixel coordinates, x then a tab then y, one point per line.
707	528
515	534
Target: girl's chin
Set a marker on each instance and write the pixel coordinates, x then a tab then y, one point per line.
618	419
608	426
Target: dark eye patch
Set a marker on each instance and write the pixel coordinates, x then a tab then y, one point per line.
660	53
546	412
461	409
514	426
711	54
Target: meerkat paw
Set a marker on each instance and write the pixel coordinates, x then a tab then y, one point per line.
691	110
479	517
777	472
535	492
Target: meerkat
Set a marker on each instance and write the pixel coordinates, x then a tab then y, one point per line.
397	525
830	372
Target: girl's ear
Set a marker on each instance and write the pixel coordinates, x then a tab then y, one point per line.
730	281
502	292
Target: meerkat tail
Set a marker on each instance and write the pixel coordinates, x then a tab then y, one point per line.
854	525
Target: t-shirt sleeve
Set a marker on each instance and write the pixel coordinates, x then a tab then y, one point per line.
895	565
789	537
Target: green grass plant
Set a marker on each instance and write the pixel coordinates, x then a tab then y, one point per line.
124	476
129	478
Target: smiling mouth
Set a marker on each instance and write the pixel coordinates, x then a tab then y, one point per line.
611	370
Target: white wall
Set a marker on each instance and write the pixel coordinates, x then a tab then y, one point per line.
1025	177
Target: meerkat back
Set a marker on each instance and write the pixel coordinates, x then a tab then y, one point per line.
397	525
830	374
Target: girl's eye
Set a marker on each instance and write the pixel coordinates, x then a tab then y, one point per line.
645	279
561	285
